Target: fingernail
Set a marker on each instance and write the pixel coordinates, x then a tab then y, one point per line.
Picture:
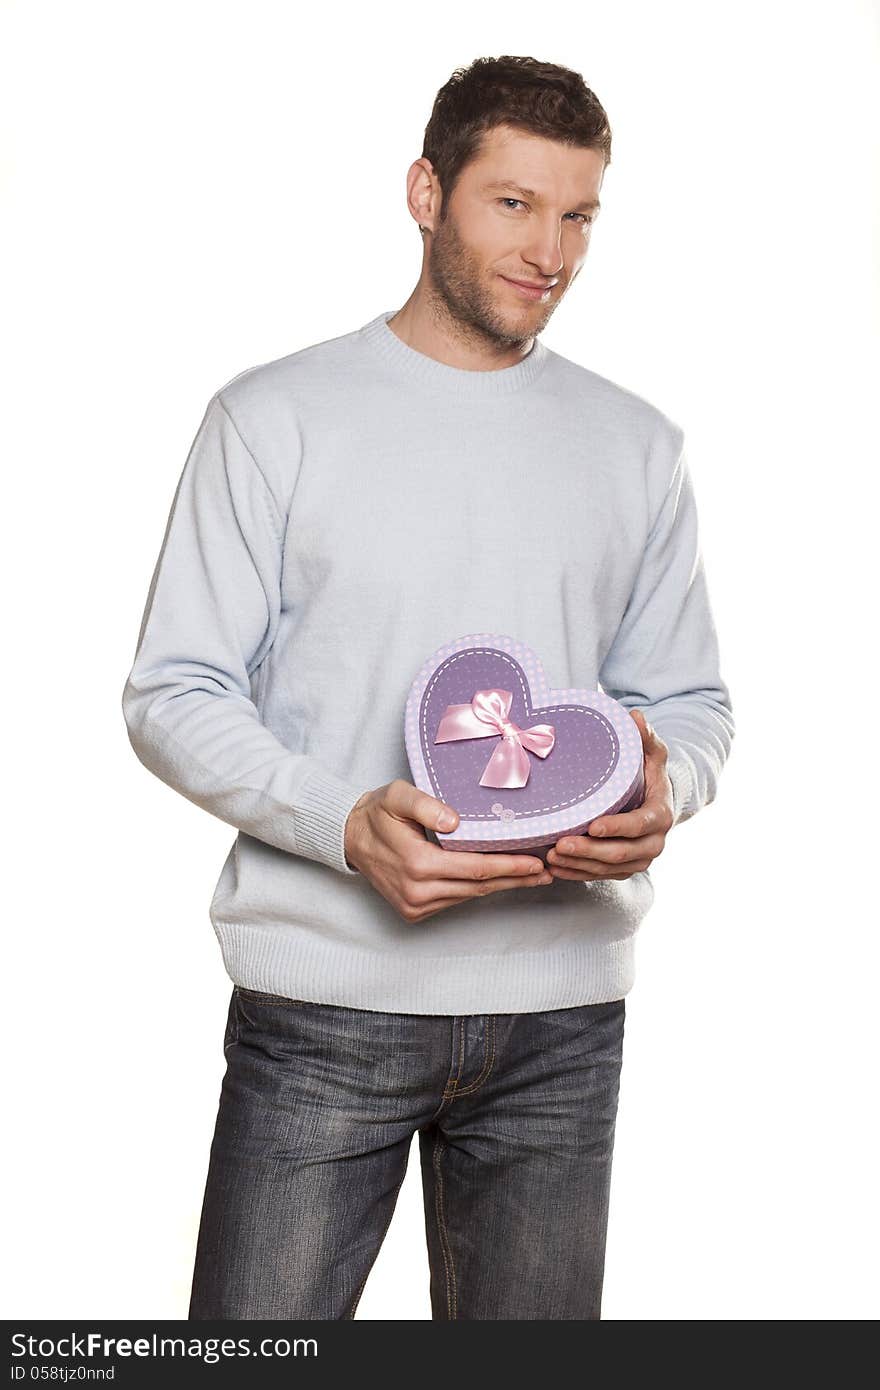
446	820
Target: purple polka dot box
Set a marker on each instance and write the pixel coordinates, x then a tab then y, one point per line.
521	763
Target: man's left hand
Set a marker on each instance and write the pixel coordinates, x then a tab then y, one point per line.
622	845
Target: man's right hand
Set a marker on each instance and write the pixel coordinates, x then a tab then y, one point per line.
386	842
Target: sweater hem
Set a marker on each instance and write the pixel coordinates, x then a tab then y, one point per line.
289	964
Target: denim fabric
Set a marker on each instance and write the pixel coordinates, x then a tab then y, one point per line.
515	1115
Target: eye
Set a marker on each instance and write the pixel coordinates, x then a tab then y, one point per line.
582	215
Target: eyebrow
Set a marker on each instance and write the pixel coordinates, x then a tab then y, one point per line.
530	193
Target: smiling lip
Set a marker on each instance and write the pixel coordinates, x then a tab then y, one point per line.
529	288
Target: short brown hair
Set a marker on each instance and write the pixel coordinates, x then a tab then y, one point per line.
542	98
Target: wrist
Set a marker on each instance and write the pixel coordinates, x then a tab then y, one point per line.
351	835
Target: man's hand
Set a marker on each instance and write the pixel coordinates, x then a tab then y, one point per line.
622	845
385	840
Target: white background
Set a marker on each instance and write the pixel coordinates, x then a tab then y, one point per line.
192	188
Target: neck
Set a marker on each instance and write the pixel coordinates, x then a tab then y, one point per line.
426	324
429	373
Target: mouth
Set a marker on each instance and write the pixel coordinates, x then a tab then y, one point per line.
531	289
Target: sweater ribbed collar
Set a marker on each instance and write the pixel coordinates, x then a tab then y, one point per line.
458	381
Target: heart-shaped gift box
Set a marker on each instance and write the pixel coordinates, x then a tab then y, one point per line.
522	764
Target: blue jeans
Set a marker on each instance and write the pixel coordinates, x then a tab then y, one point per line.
515	1115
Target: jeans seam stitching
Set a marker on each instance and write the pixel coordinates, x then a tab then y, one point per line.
445	1246
450	1089
488	1061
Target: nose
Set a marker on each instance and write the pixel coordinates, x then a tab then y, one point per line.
545	251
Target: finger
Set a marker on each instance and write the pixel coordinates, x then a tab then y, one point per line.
585	853
585	875
628	824
580	847
628	864
454	890
452	864
577	862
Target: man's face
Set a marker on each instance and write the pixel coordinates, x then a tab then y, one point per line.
495	232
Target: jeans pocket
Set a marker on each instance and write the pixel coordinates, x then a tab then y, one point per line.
230	1037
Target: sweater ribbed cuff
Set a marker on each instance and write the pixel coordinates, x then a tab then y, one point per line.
679	774
323	806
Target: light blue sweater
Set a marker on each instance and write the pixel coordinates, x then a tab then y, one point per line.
313	559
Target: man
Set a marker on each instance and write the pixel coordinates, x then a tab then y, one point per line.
343	512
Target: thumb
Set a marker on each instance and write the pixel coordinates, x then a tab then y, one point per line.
646	729
420	806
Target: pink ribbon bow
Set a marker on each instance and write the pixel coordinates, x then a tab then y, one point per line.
485	716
